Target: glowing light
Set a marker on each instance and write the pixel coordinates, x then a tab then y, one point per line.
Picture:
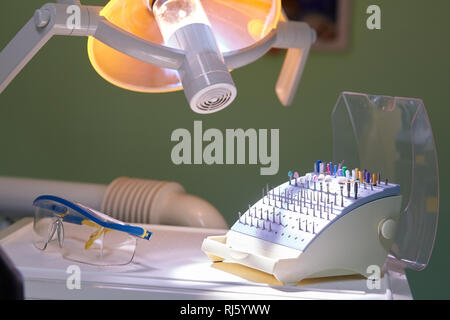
172	15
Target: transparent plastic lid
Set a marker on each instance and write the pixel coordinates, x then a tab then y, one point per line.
393	136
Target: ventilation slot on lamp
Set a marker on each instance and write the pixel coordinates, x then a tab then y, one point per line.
214	100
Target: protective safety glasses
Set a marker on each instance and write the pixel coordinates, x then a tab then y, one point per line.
82	234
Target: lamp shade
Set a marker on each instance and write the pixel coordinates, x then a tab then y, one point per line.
236	24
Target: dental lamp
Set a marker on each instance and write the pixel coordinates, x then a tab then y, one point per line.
167	45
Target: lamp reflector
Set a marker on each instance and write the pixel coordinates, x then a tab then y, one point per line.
235	24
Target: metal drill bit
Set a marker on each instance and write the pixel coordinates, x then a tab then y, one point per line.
264	202
270	227
320	207
321	194
240	215
342	195
348	189
286	198
328	193
273	215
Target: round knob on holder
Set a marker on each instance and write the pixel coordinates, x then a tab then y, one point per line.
387	229
42	18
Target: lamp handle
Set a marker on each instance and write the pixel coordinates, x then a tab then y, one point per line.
297	37
290	75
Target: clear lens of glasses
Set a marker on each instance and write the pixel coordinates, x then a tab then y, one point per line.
58	228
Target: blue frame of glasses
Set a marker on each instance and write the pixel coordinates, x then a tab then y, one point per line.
60	206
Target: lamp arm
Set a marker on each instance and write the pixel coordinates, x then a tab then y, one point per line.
297	37
242	57
52	19
138	48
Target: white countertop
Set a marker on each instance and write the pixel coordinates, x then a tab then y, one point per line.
172	266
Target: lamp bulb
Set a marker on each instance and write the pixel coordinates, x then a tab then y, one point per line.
172	15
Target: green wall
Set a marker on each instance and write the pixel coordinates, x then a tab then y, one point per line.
60	120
